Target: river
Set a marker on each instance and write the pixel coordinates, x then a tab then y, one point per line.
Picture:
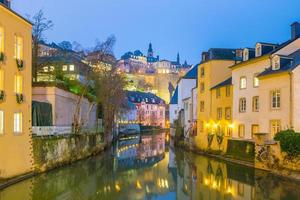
144	168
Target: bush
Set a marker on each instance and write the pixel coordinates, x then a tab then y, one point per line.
289	142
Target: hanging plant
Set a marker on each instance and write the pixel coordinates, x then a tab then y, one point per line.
2	56
220	138
20	64
20	98
210	137
2	95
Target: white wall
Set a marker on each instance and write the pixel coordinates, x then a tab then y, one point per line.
173	113
184	90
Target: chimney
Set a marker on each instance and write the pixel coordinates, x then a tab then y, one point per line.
6	2
295	30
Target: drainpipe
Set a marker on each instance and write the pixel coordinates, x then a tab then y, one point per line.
291	100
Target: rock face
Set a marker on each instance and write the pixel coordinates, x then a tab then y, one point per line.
52	152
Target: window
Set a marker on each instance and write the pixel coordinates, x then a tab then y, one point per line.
201	106
51	68
201	126
18	84
72	68
1	80
241	189
18	47
242	105
246	55
1	39
219	113
1	122
228	113
254	129
275	126
65	67
218	93
255	104
202	87
241	130
275	99
258	50
243	82
228	132
46	69
202	72
276	63
228	91
18	122
255	80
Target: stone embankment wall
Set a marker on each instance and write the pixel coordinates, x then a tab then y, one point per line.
52	152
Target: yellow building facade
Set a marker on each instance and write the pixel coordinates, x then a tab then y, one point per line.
15	94
210	74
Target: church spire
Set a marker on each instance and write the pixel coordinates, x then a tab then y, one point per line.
150	50
178	58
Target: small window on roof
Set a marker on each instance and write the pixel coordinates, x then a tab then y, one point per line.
246	55
258	50
276	63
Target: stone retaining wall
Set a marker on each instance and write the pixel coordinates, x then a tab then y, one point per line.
52	152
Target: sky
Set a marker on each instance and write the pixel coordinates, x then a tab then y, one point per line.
185	26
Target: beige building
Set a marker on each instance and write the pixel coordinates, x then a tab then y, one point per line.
15	94
279	90
213	70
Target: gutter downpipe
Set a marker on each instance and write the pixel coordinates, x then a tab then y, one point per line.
291	100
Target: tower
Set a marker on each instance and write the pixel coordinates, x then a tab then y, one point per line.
178	58
150	51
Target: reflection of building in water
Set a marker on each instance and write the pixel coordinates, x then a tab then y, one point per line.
202	178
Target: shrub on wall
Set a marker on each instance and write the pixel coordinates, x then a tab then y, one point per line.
289	142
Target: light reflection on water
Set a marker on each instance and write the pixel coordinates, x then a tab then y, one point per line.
144	168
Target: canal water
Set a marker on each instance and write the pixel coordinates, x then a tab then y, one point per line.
144	168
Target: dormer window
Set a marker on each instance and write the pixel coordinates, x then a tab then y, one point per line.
246	55
276	63
258	50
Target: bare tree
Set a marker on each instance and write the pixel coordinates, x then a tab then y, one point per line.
40	25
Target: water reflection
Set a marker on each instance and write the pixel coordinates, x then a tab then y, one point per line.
145	168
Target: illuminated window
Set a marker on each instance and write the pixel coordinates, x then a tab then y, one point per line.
218	93
18	47
255	80
18	84
275	99
65	67
1	39
1	122
228	113
51	68
254	129
242	105
241	130
18	117
255	104
243	82
219	113
72	68
275	126
46	69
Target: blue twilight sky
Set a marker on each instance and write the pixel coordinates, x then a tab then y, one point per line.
185	26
